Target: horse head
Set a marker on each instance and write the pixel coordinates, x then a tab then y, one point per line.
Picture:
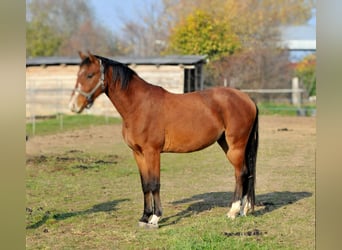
89	83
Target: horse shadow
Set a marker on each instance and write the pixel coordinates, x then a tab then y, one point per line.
102	207
265	203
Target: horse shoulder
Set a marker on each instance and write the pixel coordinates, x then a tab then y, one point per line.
144	127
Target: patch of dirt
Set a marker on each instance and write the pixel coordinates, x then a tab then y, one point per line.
101	138
95	139
288	123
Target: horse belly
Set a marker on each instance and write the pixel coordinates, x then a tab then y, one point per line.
192	121
185	139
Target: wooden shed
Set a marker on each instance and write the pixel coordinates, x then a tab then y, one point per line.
50	80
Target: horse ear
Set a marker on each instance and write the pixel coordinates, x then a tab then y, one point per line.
92	57
83	56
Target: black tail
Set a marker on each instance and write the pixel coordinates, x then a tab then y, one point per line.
250	159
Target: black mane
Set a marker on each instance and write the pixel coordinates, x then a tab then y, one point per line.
120	71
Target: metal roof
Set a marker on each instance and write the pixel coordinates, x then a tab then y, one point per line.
166	60
299	37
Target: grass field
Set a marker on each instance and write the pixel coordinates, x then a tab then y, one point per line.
84	192
61	123
285	109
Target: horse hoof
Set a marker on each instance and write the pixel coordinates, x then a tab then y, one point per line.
148	225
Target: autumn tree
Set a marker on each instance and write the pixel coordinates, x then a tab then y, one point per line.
202	34
305	70
261	63
255	61
249	19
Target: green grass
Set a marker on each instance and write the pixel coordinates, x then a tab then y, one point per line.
284	109
67	122
78	199
97	206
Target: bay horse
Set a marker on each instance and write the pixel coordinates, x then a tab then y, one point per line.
157	121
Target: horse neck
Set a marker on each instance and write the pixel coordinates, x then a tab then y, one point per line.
127	101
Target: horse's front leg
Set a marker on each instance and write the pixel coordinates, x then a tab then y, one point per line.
149	168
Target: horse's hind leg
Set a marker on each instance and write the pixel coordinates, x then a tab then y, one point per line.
236	157
235	154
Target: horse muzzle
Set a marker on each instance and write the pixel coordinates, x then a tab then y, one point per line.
73	105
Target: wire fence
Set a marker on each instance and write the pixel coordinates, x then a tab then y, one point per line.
46	102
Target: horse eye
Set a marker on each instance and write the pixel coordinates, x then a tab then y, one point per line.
90	76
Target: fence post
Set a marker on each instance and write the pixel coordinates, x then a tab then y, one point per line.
33	121
296	95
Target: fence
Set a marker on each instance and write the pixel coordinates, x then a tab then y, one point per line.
43	101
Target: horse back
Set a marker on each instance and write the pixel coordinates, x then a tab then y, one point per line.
219	104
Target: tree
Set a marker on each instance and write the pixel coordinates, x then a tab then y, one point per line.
306	72
148	36
248	18
63	16
90	36
64	27
41	40
202	34
255	61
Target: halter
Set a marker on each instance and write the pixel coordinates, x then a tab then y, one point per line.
89	95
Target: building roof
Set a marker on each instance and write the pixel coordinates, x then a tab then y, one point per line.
299	37
166	60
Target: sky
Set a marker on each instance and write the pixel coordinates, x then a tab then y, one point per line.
113	13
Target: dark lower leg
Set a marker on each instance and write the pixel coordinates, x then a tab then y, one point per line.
157	203
148	210
237	198
151	191
241	186
238	189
